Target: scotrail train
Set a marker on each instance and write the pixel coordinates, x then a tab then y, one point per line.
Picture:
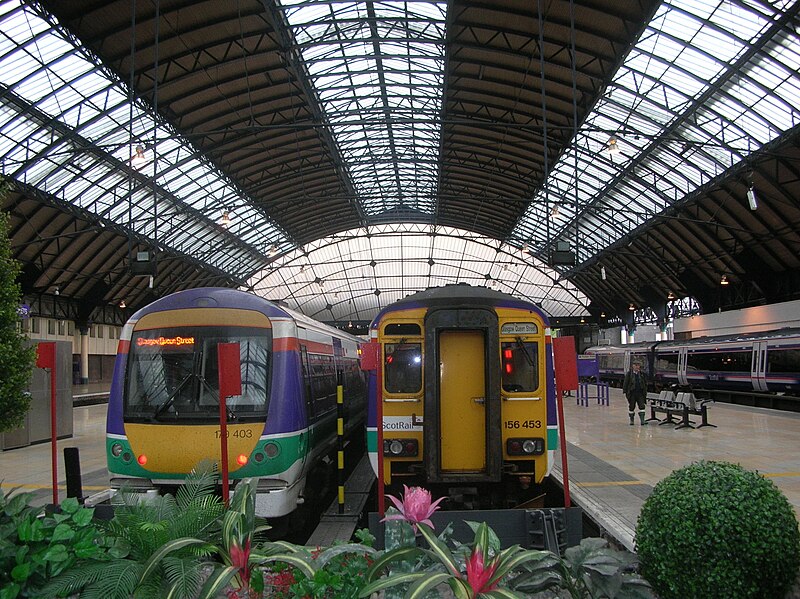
163	413
750	362
464	383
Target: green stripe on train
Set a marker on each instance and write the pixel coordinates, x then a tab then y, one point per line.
552	438
290	449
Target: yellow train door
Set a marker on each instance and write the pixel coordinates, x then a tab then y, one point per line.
462	401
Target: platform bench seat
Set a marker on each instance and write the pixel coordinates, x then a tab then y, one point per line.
683	405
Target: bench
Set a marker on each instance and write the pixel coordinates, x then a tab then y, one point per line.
683	404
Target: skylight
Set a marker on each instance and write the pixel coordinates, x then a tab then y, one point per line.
351	276
692	100
70	130
378	71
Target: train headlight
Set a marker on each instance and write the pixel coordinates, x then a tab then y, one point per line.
525	447
259	457
116	450
272	450
400	448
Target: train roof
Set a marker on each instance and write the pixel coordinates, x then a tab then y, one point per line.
460	294
222	297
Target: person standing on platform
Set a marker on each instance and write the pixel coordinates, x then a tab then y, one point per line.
634	386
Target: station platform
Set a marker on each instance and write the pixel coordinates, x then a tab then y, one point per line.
612	466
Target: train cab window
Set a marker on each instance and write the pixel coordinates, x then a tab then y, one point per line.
520	360
402	329
402	367
173	374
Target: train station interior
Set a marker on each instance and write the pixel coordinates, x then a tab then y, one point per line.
630	167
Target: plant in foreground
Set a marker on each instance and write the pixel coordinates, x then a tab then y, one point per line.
484	567
716	530
35	547
415	508
338	571
155	548
587	571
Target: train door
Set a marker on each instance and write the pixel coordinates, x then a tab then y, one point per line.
758	366
462	403
462	396
682	358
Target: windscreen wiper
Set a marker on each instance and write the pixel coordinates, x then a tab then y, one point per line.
171	397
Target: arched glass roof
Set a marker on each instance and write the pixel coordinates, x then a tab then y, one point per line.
310	123
354	275
698	93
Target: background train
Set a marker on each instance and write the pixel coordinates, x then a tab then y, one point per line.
163	413
752	362
466	389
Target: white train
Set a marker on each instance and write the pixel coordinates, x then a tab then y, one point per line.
751	362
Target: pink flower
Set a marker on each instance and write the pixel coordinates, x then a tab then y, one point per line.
415	508
479	575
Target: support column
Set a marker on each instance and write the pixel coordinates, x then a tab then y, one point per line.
84	375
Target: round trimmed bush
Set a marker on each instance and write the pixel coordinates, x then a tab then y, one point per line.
715	530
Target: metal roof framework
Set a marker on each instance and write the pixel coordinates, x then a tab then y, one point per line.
304	121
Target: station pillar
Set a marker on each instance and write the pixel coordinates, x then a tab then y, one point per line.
84	374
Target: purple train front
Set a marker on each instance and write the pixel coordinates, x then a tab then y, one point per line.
163	414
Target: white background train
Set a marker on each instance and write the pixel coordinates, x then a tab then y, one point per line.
751	364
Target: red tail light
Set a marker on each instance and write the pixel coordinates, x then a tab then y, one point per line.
142	459
241	460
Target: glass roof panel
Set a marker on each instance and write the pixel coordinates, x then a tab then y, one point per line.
406	258
377	63
692	99
41	66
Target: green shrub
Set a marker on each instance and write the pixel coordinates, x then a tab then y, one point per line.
713	529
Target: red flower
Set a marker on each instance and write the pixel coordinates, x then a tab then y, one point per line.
478	574
240	558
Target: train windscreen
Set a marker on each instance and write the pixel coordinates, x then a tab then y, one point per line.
172	374
520	366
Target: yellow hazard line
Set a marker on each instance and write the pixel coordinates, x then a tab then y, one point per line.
611	483
779	474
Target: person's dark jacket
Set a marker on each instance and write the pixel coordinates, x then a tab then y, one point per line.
628	383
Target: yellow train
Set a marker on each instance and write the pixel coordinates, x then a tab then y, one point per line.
464	392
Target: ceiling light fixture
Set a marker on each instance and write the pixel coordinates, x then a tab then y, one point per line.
751	198
724	280
631	307
138	159
273	250
225	220
554	210
602	314
612	147
670	296
603	272
122	304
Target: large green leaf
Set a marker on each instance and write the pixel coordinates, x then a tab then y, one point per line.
218	580
426	583
439	549
401	554
391	581
165	550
